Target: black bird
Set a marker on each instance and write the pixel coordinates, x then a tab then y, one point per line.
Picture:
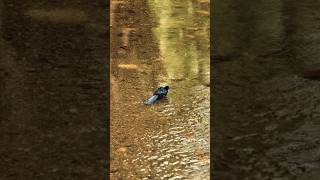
160	93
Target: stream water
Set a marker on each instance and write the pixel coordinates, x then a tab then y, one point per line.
155	43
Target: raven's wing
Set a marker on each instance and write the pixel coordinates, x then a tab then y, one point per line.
151	100
161	92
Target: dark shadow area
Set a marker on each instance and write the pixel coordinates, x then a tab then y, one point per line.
265	114
54	89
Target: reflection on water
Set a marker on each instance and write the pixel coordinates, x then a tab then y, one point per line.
183	36
169	140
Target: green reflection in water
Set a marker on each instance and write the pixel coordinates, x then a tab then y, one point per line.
184	42
183	36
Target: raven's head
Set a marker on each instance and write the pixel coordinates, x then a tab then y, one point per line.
166	87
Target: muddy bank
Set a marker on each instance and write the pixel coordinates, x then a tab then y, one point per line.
266	115
53	90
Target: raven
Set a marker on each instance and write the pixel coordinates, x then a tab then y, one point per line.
160	93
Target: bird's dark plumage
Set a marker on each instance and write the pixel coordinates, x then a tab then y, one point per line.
160	93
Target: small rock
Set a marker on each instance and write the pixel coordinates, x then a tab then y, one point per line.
113	170
122	150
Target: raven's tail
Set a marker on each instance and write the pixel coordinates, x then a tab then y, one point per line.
151	100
